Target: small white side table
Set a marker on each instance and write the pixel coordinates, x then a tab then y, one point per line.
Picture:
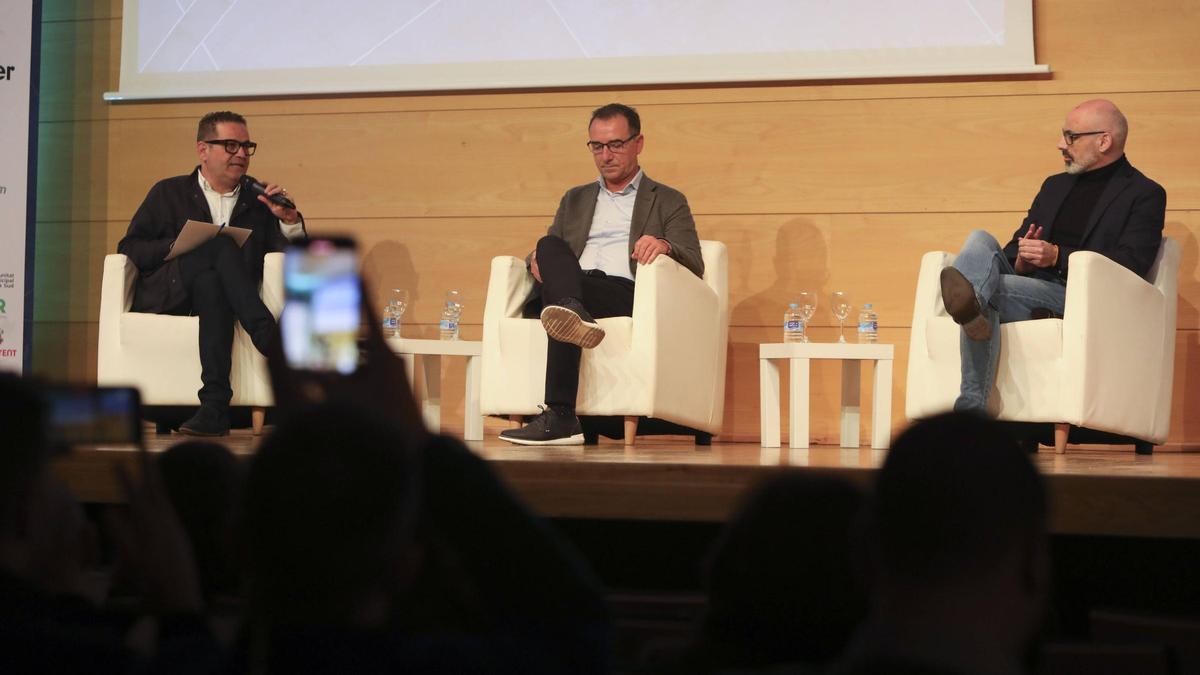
428	386
798	355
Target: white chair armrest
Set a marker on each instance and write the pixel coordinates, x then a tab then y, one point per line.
668	294
508	287
676	326
929	291
1113	326
116	297
116	287
272	282
927	304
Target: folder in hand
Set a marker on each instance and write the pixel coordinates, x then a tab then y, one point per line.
195	233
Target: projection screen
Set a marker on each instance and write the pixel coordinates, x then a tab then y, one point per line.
223	48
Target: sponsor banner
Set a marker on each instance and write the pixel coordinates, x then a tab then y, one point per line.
16	177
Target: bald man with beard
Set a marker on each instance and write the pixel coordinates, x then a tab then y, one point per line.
1101	203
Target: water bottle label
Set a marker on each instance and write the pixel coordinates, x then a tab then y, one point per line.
447	324
868	327
793	326
390	323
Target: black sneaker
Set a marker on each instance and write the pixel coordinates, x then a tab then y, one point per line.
958	296
209	420
568	321
548	428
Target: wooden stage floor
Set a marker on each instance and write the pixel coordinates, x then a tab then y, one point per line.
1094	490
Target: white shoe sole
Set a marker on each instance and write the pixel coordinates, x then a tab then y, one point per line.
576	439
566	326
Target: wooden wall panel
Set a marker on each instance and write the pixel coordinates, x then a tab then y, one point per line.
828	185
969	154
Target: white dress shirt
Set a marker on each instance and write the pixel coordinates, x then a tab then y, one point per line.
607	247
220	205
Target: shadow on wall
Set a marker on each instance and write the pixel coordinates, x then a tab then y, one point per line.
800	261
1186	389
387	265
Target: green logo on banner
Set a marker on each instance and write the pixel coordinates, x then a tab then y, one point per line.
1	305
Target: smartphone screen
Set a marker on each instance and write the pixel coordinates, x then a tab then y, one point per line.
81	415
321	311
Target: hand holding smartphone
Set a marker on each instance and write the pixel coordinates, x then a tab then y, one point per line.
318	357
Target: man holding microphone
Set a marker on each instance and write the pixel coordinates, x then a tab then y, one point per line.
217	281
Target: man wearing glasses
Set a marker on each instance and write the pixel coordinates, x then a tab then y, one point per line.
586	264
1101	204
216	281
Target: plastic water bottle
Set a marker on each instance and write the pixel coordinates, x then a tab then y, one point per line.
793	324
391	320
448	327
397	303
868	324
451	313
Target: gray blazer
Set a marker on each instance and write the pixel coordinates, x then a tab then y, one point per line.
658	210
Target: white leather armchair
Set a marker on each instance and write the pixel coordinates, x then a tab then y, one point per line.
1107	365
159	354
667	361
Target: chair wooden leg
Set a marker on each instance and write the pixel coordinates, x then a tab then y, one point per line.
257	417
1060	437
630	429
516	421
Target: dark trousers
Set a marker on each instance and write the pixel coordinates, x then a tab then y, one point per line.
603	296
220	288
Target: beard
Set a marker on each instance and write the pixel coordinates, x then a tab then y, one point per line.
1077	165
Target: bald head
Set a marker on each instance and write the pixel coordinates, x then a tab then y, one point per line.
1098	133
1103	114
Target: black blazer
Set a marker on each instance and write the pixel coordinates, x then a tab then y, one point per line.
170	204
1125	226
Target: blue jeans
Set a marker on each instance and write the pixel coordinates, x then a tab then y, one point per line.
1005	296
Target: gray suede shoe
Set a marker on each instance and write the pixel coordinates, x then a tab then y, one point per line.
958	296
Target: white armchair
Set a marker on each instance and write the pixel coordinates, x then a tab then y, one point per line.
1107	365
159	354
667	361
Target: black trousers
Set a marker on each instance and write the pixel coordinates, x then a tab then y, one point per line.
220	289
603	296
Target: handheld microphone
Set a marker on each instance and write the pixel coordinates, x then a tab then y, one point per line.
260	189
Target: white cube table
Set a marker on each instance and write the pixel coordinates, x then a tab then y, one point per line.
428	383
798	355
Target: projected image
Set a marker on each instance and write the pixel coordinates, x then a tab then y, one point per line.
230	35
207	48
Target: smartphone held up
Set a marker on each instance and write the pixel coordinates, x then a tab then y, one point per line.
322	305
87	415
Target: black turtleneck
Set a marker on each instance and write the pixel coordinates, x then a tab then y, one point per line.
1076	209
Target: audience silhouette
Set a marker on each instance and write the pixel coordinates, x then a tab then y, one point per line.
782	587
958	550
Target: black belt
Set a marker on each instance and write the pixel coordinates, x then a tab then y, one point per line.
600	274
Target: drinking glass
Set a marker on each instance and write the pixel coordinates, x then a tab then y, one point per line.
454	302
807	302
841	307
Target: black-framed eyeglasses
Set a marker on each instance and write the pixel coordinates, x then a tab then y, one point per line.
1070	136
614	146
231	146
